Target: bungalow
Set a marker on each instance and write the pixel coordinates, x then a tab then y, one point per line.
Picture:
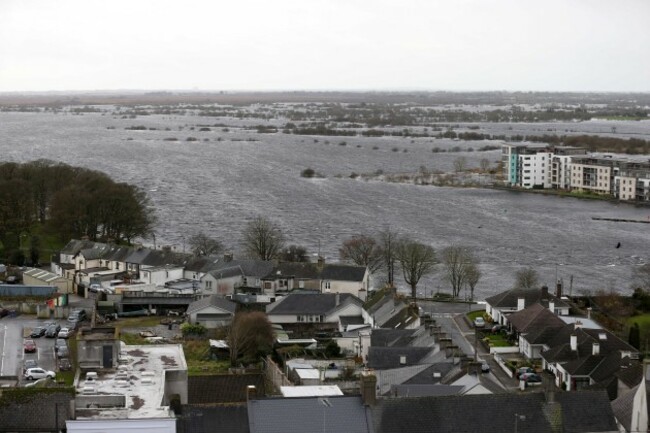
326	278
235	274
211	312
501	305
580	357
532	325
323	308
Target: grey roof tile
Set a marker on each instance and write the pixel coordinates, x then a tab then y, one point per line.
212	301
321	303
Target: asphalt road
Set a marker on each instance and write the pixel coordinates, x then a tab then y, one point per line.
12	335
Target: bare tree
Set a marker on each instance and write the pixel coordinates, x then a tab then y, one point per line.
294	253
263	239
457	260
416	260
202	245
388	242
250	335
485	165
526	278
362	251
473	274
460	164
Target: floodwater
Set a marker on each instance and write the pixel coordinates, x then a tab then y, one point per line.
220	182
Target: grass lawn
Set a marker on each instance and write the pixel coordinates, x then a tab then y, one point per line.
644	327
497	340
474	314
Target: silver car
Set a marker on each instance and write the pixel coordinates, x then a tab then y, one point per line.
38	373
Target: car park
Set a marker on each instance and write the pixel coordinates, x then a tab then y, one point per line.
479	322
29	346
38	332
65	333
53	331
38	373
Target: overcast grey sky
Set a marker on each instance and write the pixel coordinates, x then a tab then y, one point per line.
564	45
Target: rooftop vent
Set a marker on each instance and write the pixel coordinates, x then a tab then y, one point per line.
402	359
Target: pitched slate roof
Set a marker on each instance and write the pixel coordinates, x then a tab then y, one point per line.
309	414
632	375
580	411
534	318
432	374
251	268
76	245
623	407
316	304
509	298
391	357
203	263
409	390
212	301
231	271
222	388
209	419
301	271
343	272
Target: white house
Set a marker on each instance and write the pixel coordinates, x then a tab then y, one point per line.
314	308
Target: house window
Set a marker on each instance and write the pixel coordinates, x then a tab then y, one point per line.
208	285
327	285
117	266
244	281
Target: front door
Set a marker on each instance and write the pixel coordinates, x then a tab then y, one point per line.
108	357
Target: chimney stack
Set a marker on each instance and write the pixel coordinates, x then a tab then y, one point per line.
574	342
551	306
368	388
251	392
544	292
521	304
321	263
558	290
589	313
595	349
338	298
227	257
578	324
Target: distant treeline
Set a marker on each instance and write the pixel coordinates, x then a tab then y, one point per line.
69	202
593	143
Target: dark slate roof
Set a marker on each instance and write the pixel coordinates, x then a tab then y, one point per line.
212	301
95	252
583	366
157	258
251	268
401	319
116	253
300	271
410	390
580	411
427	376
309	414
321	303
343	273
541	336
210	419
560	350
75	245
36	411
391	337
610	365
586	411
390	357
508	299
623	407
203	263
231	271
222	388
631	376
534	318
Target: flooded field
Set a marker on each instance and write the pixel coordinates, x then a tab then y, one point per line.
226	175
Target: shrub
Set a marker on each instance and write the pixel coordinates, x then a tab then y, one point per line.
308	172
190	329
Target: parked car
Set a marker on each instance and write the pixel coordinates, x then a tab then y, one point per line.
530	377
497	328
3	312
29	363
77	316
37	332
64	364
523	370
62	352
29	346
479	322
95	288
65	333
53	331
485	367
38	373
60	342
